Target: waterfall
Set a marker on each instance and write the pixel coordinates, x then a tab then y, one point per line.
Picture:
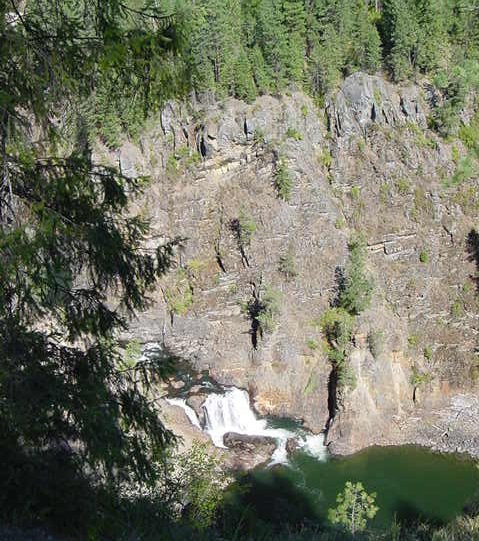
190	412
231	412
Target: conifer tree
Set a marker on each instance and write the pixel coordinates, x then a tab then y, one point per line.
244	83
432	36
200	50
401	32
355	507
327	61
358	289
294	20
261	75
367	42
272	39
68	246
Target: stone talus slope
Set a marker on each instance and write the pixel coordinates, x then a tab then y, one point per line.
366	163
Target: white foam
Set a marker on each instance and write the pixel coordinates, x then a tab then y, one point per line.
190	412
231	412
314	445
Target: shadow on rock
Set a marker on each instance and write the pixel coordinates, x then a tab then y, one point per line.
472	247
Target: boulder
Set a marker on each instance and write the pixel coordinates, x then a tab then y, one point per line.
177	384
195	402
245	442
249	451
292	446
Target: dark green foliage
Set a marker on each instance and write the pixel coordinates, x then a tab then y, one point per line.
69	245
456	82
244	228
77	423
356	295
337	325
49	487
294	17
268	309
262	310
259	46
244	86
282	180
271	38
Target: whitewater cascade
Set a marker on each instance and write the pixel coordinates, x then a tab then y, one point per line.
231	412
190	412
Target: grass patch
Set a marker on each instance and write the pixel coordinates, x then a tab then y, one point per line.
311	385
428	353
413	340
457	309
424	256
403	186
291	133
325	158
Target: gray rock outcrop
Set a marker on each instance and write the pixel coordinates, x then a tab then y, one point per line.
366	163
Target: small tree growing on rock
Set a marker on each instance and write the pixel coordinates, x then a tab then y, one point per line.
282	181
268	309
287	265
355	507
337	325
262	310
356	295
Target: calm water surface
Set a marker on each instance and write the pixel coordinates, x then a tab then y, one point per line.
411	483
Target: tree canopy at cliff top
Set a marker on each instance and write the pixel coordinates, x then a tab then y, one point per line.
243	48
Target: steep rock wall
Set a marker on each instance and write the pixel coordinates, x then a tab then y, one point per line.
367	162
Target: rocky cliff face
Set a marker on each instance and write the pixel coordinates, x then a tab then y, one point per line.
368	163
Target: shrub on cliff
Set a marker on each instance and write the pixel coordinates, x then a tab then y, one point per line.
358	289
268	309
262	310
244	227
287	265
337	325
282	181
